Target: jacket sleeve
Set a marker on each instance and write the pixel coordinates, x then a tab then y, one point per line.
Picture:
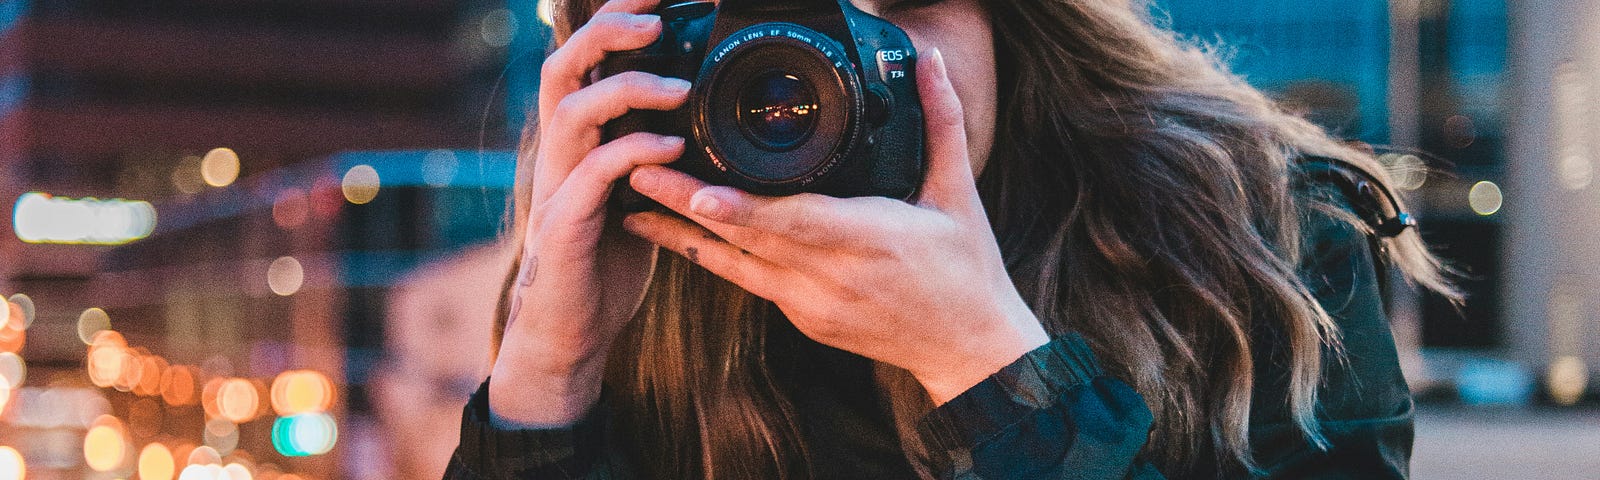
489	450
1053	413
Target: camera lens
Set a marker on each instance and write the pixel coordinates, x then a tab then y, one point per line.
778	110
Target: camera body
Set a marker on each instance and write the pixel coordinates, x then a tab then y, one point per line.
788	97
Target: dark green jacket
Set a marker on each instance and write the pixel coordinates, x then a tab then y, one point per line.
1053	414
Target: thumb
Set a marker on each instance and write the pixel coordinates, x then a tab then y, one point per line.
949	184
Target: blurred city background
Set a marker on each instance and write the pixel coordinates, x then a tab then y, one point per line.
257	236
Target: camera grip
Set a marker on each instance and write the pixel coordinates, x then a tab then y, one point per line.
624	198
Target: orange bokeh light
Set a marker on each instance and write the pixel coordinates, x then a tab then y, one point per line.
237	400
12	465
154	371
12	340
105	446
301	391
156	463
106	354
177	386
16	317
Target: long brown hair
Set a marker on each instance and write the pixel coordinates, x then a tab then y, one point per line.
1142	197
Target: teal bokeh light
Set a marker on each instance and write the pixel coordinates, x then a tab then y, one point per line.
304	435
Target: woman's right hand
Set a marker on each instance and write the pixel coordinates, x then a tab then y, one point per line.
581	276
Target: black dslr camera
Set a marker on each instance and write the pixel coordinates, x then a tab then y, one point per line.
789	97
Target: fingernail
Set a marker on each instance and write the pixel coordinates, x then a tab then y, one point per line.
645	181
705	204
671	141
675	85
937	58
643	21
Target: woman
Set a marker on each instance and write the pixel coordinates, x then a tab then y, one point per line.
1115	268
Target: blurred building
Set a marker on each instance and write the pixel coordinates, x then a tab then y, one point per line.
1426	82
439	324
271	248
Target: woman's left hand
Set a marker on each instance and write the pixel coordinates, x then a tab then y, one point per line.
920	285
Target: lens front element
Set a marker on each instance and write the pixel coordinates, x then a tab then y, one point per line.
776	107
778	110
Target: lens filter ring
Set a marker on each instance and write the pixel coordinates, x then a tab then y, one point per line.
777	106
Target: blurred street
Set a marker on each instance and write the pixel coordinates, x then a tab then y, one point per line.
1502	443
248	238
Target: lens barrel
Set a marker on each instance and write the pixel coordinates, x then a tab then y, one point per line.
779	105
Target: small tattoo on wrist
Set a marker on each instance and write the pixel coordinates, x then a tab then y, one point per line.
525	274
693	254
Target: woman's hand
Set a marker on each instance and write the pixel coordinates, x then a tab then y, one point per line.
920	286
581	279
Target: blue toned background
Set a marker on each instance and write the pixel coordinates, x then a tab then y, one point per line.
329	178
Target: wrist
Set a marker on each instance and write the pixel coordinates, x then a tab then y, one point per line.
544	391
982	356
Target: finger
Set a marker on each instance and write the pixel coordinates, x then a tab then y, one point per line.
746	219
586	189
565	70
628	6
582	115
949	185
749	271
672	189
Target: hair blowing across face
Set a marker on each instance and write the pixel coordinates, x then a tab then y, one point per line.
1141	195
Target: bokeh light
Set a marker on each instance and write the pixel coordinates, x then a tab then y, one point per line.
285	276
360	184
186	177
156	463
42	218
439	168
12	340
24	303
132	370
13	371
104	447
234	471
498	27
108	353
1576	171
20	312
153	372
204	455
220	167
201	472
237	400
301	391
1485	198
90	322
1408	171
1460	131
1567	379
290	208
11	464
304	434
178	386
221	435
